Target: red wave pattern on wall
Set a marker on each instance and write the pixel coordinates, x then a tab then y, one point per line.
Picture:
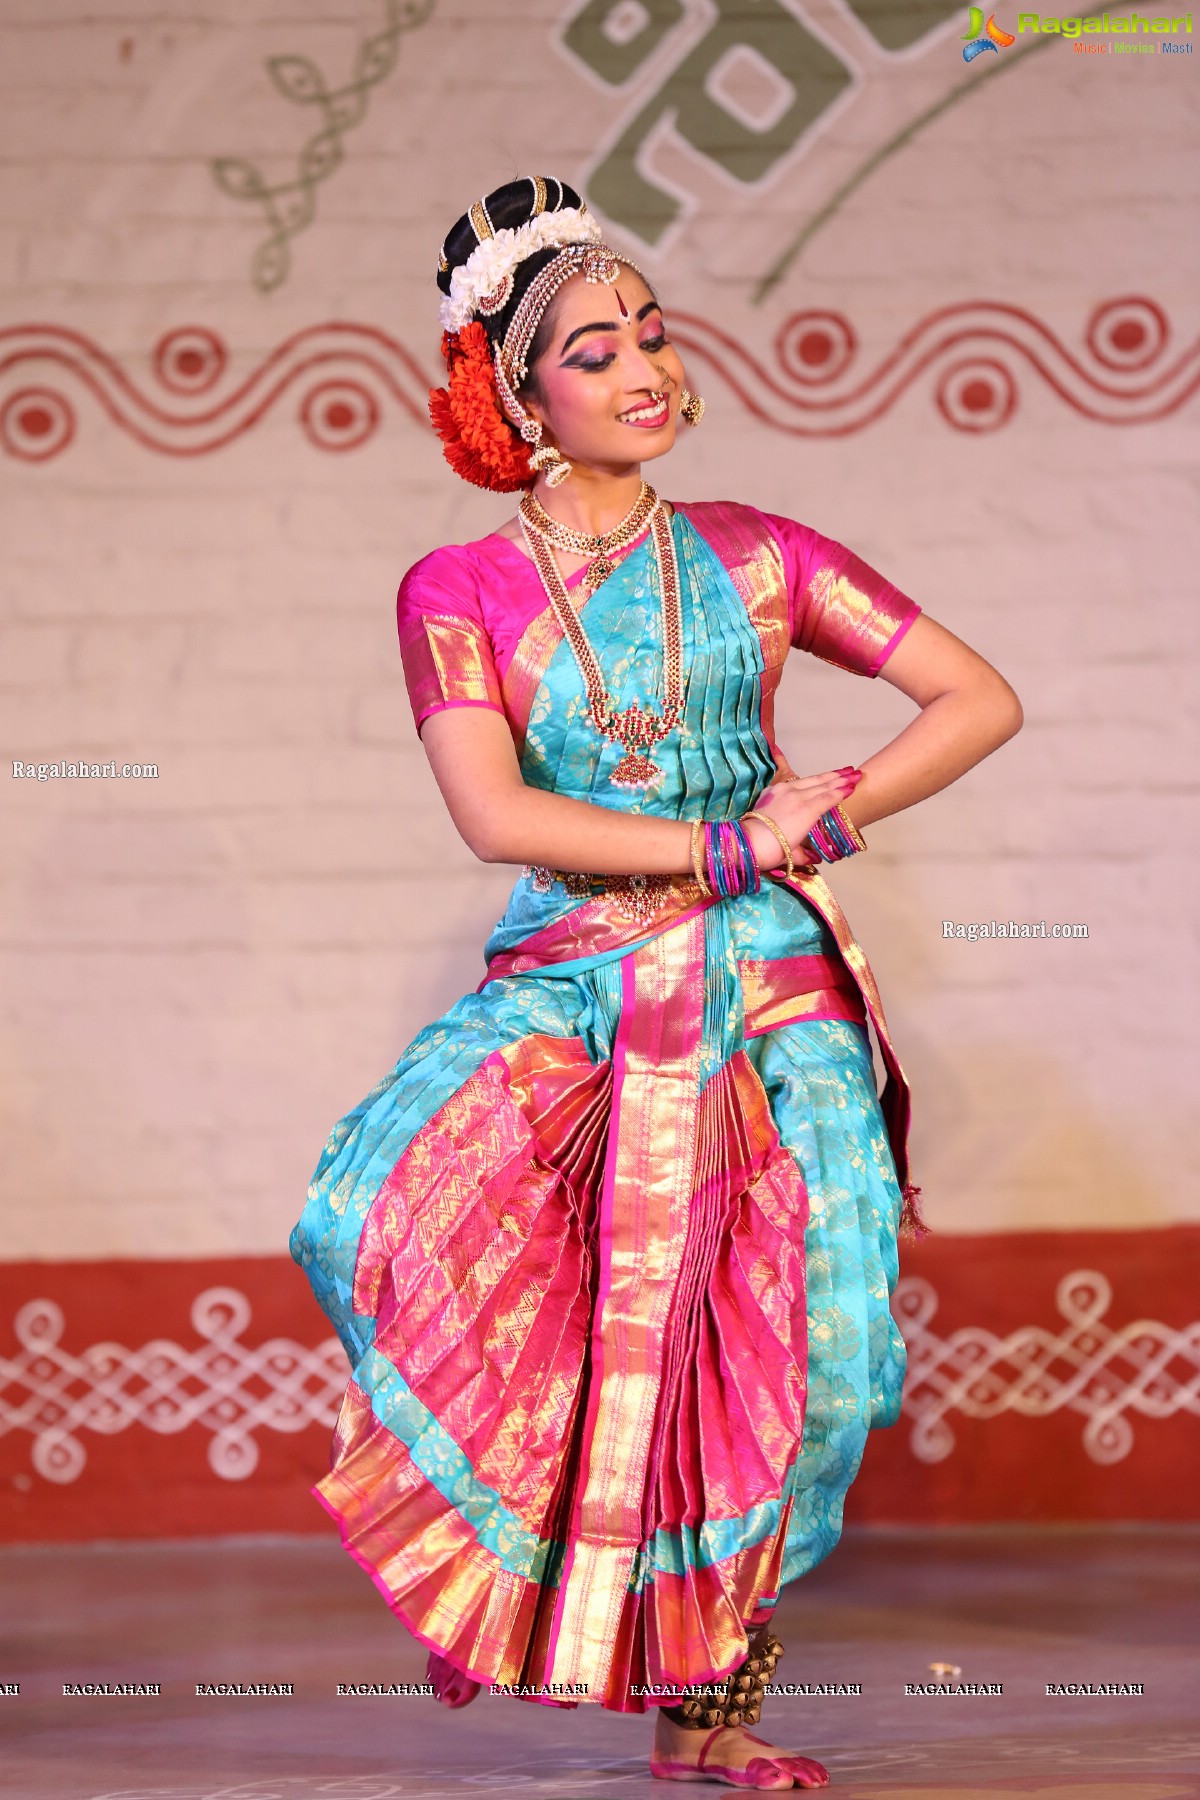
971	356
343	373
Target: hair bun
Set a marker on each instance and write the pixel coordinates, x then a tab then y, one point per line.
505	208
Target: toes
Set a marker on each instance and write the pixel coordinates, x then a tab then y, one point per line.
450	1685
805	1770
766	1774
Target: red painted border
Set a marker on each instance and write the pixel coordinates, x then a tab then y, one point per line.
137	1483
347	377
1014	1468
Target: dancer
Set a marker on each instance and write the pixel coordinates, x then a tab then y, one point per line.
610	1249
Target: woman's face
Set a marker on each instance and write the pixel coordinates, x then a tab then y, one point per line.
608	384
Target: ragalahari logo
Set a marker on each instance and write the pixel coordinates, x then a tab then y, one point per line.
994	38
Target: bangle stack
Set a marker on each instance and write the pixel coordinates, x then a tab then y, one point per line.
723	859
835	836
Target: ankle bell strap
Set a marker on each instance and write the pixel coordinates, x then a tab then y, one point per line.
738	1699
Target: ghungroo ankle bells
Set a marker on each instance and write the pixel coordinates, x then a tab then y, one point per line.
738	1699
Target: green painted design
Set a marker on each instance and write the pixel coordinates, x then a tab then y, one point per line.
971	85
616	56
748	150
897	27
291	206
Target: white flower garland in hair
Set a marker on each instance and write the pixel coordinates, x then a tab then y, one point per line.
484	282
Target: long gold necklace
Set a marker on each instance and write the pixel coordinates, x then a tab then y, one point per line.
600	546
634	727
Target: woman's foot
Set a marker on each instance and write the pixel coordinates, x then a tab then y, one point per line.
730	1754
451	1686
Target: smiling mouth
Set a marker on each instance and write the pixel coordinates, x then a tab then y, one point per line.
648	418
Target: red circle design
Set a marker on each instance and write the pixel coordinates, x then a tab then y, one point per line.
339	415
1128	333
977	396
815	347
36	423
977	393
190	360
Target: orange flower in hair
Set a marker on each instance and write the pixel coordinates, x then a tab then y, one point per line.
477	440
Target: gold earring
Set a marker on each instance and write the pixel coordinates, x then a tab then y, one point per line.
551	463
544	458
691	406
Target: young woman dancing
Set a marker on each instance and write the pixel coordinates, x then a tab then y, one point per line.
611	1248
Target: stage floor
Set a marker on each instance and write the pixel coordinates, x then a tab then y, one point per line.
1019	1607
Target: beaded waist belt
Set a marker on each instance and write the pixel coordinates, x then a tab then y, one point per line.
636	897
775	990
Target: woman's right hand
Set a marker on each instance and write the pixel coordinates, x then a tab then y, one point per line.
796	805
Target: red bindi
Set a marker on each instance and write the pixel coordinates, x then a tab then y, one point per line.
622	305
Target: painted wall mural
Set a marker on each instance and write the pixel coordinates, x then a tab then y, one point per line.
749	89
754	92
291	206
340	377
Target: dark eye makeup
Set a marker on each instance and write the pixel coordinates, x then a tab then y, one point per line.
592	363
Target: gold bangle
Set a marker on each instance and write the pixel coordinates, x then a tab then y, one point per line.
850	828
698	857
778	830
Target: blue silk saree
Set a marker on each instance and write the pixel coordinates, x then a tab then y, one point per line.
611	1248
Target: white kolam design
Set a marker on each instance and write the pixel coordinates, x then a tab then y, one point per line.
227	1387
233	1389
1087	1367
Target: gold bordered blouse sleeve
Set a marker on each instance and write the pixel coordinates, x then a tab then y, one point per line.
444	643
840	608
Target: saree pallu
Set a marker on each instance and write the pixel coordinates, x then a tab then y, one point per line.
611	1249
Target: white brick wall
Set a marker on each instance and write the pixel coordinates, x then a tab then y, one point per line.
202	972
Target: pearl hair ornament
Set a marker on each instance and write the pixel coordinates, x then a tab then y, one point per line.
484	283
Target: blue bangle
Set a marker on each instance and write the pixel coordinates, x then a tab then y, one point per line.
713	833
733	850
830	838
730	859
837	832
725	837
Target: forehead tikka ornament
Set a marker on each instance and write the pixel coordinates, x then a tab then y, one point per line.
596	263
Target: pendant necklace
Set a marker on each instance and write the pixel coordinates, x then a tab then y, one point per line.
599	547
635	728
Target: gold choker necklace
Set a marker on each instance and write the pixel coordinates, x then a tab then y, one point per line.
635	728
602	545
